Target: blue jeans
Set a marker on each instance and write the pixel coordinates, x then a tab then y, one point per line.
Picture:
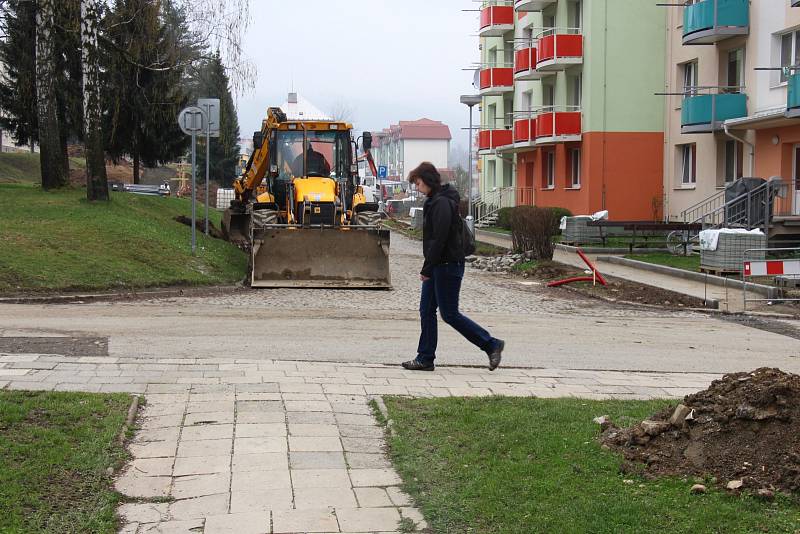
441	290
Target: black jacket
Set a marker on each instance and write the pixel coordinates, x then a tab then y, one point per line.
440	243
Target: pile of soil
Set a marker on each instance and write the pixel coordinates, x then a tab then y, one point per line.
744	430
200	225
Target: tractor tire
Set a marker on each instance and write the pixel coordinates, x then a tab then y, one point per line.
368	218
262	218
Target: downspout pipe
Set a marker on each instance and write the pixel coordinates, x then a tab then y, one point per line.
746	142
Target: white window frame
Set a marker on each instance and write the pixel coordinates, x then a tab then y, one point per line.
736	171
794	53
688	165
690	77
575	168
550	169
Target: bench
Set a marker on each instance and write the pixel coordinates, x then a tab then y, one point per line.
645	230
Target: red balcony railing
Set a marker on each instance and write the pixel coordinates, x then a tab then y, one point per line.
497	18
525	60
554	125
489	139
496	80
524	130
559	49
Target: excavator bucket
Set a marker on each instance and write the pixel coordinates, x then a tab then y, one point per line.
347	257
236	227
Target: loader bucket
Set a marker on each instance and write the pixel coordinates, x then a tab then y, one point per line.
236	227
348	257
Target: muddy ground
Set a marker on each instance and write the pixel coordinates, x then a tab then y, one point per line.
741	432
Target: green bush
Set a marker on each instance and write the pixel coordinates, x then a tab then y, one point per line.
504	218
558	213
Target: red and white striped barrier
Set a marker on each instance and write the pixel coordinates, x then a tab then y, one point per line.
771	267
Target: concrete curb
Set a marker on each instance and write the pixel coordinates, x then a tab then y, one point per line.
767	291
600	250
120	295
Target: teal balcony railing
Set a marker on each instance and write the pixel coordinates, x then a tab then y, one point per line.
712	20
706	112
793	99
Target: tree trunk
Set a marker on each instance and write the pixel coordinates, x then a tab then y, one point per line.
135	165
51	156
96	179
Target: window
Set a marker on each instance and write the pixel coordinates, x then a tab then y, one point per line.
790	52
550	169
735	68
688	168
575	97
690	78
548	95
577	16
734	159
575	168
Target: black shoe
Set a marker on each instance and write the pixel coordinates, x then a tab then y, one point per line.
416	365
496	355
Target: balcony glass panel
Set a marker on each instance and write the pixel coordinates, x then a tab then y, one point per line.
711	14
793	101
699	109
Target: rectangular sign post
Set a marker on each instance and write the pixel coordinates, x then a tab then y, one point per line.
192	120
211	108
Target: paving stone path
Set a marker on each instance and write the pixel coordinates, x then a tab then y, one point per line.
254	446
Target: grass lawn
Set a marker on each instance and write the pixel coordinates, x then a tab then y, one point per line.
523	465
54	452
687	263
59	241
19	167
496	230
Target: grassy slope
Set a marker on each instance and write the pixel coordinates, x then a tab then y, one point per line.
59	241
505	465
19	167
687	263
56	448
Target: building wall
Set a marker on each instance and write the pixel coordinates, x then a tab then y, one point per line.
418	150
766	95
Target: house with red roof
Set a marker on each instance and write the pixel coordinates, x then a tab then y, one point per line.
403	146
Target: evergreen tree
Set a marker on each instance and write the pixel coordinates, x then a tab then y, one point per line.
211	81
61	66
144	70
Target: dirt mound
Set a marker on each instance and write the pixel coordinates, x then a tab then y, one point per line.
744	428
200	224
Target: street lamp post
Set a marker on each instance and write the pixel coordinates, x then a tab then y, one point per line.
470	101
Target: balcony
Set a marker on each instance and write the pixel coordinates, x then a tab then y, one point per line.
710	21
496	80
558	125
491	139
793	100
535	5
497	18
525	58
559	49
525	131
705	113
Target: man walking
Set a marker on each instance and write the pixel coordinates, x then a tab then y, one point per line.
443	271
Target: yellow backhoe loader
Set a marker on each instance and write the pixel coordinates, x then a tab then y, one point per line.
300	212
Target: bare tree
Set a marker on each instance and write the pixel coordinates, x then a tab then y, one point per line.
219	26
341	111
52	158
96	179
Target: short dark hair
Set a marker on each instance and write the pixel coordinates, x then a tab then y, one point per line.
427	173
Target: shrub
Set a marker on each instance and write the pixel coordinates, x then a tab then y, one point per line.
532	229
558	213
504	218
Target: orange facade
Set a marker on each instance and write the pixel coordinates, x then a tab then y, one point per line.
620	172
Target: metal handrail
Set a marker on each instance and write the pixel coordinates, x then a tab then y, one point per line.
547	32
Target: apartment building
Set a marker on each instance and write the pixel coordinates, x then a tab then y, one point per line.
569	116
403	146
734	110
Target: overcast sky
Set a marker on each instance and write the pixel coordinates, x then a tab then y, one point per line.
386	60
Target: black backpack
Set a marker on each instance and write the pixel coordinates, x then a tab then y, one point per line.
463	233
